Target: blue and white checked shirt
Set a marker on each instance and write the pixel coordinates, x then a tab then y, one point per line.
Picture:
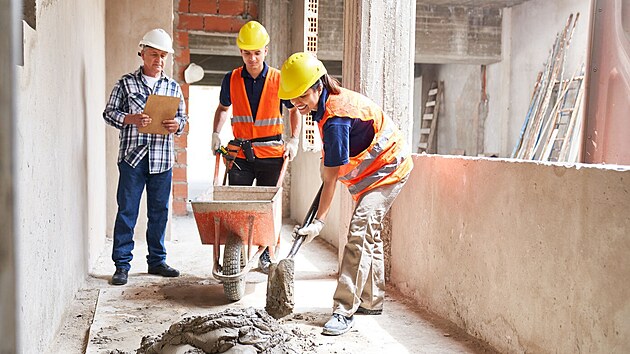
129	96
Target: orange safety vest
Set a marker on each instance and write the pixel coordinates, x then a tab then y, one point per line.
268	118
385	161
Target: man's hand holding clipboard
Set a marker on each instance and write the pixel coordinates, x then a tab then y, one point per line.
161	111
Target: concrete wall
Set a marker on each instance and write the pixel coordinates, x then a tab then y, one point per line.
531	33
458	117
127	21
457	34
60	174
529	257
330	30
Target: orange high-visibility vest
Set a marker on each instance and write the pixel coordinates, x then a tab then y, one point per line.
268	118
385	161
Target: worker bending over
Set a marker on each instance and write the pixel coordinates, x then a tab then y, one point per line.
257	124
364	150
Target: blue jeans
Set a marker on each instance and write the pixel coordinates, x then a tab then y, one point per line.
131	183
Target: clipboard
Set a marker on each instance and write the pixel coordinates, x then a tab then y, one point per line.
159	108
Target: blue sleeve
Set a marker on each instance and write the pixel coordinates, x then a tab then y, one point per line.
336	141
224	96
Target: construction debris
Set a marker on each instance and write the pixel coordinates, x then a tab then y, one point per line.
552	127
232	331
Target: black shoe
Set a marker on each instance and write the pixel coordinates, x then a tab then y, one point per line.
264	261
120	277
164	270
365	311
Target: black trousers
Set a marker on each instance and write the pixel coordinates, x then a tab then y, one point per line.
264	171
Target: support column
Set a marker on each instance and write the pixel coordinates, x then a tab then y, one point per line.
8	301
276	17
378	57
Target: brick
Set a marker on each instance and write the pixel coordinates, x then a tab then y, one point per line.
190	22
186	91
179	208
203	6
182	140
181	156
180	190
179	173
223	24
252	10
182	6
181	39
231	8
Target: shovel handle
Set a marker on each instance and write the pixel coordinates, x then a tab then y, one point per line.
310	215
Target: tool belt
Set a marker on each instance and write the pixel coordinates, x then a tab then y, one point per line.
246	145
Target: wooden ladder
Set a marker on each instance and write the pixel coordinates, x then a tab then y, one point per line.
561	127
428	122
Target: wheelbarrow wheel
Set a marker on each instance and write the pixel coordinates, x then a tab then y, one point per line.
232	264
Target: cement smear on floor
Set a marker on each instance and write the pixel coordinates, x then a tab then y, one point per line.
149	305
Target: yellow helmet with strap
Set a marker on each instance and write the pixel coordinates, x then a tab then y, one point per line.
298	74
252	36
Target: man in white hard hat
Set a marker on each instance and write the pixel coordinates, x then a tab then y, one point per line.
252	92
144	160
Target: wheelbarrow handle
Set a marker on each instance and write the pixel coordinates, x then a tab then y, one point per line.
310	215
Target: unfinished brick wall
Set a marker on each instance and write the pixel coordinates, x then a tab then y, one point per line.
217	16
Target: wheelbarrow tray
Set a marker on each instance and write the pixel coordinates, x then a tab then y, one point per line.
252	213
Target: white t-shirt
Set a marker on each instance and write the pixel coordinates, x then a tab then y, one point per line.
151	80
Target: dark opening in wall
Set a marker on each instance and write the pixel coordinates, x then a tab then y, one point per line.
29	16
29	12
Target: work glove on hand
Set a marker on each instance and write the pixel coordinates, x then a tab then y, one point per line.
291	148
311	231
216	141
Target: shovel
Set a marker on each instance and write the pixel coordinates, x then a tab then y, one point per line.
280	299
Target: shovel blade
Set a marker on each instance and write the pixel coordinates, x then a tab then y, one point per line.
280	298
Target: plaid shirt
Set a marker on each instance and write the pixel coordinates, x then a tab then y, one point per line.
129	96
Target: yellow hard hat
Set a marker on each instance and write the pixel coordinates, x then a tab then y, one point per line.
252	36
298	73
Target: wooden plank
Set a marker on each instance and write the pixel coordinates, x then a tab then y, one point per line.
433	92
422	145
425	130
430	104
427	116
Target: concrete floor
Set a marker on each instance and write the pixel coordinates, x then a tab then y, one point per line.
104	317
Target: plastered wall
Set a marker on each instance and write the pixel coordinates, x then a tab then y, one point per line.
529	257
59	152
529	32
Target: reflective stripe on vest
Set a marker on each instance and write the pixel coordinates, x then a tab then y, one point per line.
269	120
385	161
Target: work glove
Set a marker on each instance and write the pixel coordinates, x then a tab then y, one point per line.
311	231
291	148
216	141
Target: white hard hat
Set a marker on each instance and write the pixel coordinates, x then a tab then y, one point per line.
158	39
193	73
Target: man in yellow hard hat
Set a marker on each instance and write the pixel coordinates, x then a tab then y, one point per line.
144	160
257	124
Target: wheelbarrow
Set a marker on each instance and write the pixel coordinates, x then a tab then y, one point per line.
241	218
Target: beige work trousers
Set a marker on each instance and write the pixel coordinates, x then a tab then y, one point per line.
362	273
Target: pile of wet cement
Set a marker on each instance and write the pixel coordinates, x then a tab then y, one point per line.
232	331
